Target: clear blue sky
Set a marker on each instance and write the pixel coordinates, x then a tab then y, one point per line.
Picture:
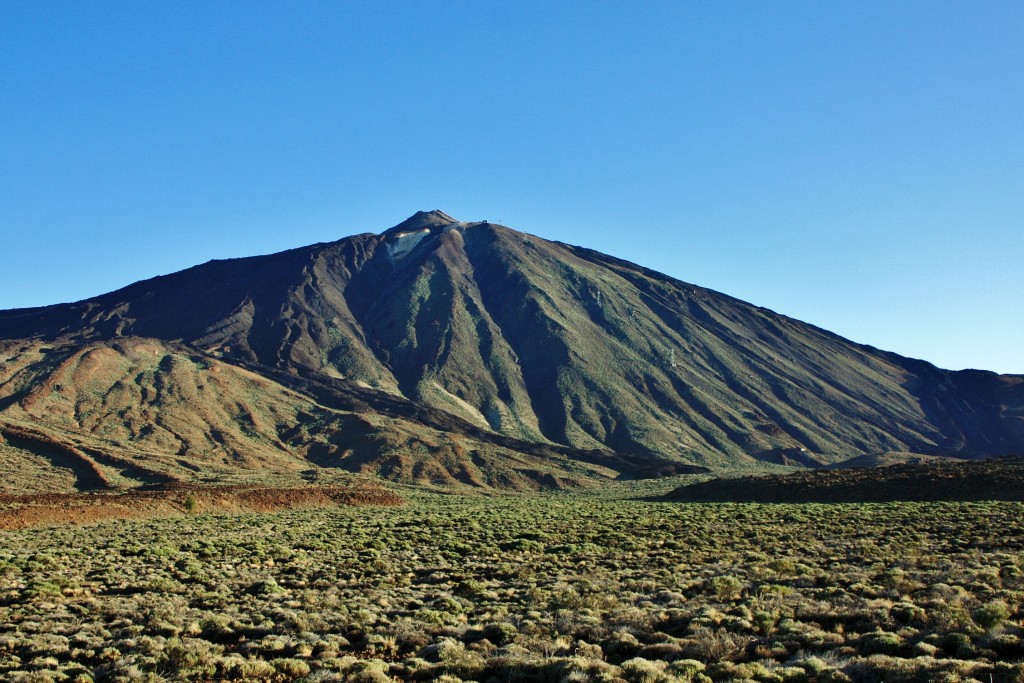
857	165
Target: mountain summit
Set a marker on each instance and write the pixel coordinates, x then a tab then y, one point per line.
475	353
422	220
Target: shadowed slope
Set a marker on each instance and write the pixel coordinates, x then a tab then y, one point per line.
939	479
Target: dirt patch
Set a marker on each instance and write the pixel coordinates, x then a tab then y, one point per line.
54	509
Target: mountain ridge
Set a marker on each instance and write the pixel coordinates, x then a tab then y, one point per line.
554	344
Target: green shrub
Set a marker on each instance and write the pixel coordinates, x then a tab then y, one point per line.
881	643
190	658
251	669
990	615
792	674
686	669
726	588
639	670
290	668
813	665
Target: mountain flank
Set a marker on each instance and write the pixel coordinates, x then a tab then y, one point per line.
457	353
936	479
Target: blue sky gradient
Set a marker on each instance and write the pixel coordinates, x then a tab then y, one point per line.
856	165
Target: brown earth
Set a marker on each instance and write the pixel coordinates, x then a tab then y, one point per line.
941	480
131	412
52	509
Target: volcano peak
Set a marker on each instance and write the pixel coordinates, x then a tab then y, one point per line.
422	220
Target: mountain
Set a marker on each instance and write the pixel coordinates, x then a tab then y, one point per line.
404	353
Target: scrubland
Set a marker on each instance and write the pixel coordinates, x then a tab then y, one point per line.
562	587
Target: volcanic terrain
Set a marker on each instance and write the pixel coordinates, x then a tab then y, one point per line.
457	354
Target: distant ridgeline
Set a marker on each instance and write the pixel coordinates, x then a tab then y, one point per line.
936	480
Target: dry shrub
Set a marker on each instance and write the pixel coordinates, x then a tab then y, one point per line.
718	645
583	670
640	670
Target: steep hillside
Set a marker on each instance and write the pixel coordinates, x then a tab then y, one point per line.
537	341
137	411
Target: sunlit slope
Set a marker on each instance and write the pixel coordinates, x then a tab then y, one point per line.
555	344
136	411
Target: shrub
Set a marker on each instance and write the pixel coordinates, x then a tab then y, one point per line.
639	670
719	645
686	669
291	668
958	645
881	643
765	621
584	670
990	615
726	588
501	633
792	674
190	658
813	665
369	671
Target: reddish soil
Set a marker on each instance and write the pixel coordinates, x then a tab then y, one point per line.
52	509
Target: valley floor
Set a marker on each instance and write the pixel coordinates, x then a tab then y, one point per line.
529	588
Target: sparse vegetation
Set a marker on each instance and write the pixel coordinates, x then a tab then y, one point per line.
523	588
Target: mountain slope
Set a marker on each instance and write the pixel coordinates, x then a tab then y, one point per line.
931	480
547	343
138	411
